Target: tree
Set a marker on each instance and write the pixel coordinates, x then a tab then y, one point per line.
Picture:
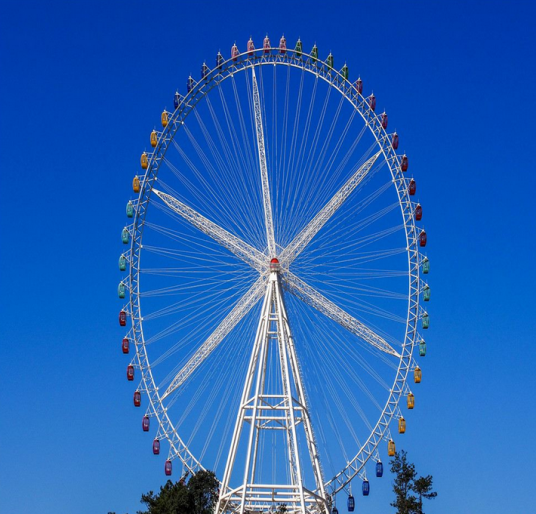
423	488
203	492
405	502
196	496
406	483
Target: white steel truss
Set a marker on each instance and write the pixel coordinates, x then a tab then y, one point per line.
269	221
234	244
230	321
306	235
316	300
290	282
263	409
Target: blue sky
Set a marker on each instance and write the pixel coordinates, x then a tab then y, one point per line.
83	84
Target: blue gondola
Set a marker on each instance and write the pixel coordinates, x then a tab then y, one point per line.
366	487
351	503
121	290
122	263
130	209
125	236
219	60
379	469
176	99
204	71
189	84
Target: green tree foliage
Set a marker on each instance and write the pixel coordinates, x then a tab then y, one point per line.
405	502
408	488
195	496
423	489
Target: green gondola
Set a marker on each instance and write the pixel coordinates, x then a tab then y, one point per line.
329	60
121	290
344	72
422	348
426	293
425	320
426	266
314	53
298	49
122	263
125	236
130	209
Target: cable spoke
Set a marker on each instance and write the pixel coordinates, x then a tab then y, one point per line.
304	237
313	298
234	244
238	312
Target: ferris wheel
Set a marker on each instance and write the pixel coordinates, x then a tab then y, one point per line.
273	281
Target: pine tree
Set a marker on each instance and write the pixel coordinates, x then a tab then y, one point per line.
195	496
423	488
406	483
405	502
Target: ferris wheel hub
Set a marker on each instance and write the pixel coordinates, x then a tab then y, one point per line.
274	265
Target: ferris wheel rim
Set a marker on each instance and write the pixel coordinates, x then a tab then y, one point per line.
200	89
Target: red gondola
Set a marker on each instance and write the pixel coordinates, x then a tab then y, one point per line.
422	238
372	102
137	398
404	163
234	52
126	345
412	187
385	119
282	45
122	318
266	45
130	372
156	447
394	142
274	265
167	468
359	85
418	212
145	423
251	46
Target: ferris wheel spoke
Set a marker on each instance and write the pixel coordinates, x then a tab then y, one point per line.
299	243
314	299
234	317
269	220
234	244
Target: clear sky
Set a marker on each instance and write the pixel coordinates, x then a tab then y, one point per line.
82	84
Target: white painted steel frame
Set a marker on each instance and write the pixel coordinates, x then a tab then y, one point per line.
264	410
319	68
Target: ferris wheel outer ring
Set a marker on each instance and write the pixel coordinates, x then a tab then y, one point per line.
200	89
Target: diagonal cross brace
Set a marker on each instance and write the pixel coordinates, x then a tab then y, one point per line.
232	319
313	298
268	218
234	244
289	254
